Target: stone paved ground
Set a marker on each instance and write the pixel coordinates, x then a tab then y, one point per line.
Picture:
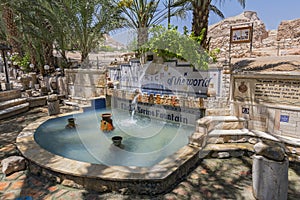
212	179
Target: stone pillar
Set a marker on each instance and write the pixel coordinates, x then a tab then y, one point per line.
270	178
62	86
53	85
33	79
53	105
270	172
46	82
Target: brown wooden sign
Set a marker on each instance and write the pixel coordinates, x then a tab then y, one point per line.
241	34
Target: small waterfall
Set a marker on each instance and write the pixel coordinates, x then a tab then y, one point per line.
133	105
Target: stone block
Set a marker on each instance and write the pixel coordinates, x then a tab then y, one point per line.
37	101
203	154
232	125
53	107
197	139
236	154
274	152
202	129
52	97
72	183
223	155
253	140
13	164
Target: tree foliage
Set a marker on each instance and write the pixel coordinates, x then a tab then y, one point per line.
200	10
63	25
141	15
170	44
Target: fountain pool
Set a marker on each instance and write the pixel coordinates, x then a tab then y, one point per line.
153	156
146	141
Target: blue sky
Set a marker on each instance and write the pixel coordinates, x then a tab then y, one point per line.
271	12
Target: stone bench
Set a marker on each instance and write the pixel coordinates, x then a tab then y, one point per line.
11	103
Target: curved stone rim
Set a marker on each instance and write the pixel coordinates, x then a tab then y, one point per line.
172	168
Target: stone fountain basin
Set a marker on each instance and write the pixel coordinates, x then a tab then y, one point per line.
139	180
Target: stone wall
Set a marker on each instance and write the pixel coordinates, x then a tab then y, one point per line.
270	102
86	83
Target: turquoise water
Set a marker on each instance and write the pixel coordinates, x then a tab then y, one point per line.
146	141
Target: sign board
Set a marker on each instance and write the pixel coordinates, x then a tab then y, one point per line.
241	34
168	78
182	115
284	118
245	110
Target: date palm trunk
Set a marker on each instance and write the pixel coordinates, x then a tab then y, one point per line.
142	36
200	20
11	29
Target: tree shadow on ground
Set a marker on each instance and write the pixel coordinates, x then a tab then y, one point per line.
217	179
295	166
294	181
243	65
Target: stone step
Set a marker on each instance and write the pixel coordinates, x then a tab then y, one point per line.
277	138
224	118
209	123
233	132
14	110
229	136
226	150
10	103
229	147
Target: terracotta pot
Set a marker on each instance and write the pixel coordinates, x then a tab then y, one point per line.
117	140
106	122
71	123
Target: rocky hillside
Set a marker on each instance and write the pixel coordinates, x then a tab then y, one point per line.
289	30
285	40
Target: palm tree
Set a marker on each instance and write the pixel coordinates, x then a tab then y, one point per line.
11	30
34	22
143	14
201	9
88	21
63	25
